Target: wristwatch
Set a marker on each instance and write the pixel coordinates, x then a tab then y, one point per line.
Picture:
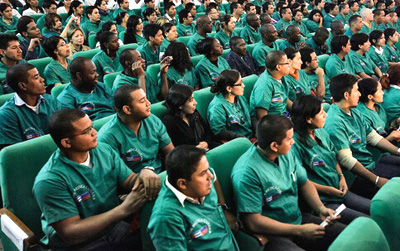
149	168
224	207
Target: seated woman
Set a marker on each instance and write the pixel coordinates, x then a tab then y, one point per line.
170	36
208	69
32	8
122	20
134	31
76	11
224	36
109	26
184	124
53	26
376	52
391	99
229	113
101	5
370	106
317	154
181	70
149	16
64	7
315	20
76	40
298	21
57	71
107	60
390	50
7	21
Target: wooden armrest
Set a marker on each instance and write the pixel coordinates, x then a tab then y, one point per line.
31	240
261	238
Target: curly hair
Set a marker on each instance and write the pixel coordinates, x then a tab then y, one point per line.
181	60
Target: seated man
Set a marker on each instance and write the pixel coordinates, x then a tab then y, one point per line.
93	24
318	41
293	38
136	134
367	17
186	26
134	74
270	93
170	12
337	29
150	50
266	182
355	23
378	22
239	58
49	7
204	26
25	115
30	39
250	31
85	92
344	11
78	211
332	10
10	55
285	21
339	61
188	215
269	35
350	134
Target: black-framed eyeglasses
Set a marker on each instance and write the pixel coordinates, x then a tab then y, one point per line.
85	132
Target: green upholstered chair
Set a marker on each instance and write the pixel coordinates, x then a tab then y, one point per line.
159	109
128	46
58	89
184	39
203	98
109	79
86	54
92	41
225	52
36	16
97	124
222	159
385	210
64	17
362	234
5	97
12	32
40	64
249	83
153	70
322	60
196	59
250	48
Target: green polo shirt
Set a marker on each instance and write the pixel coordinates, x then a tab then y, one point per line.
318	49
150	56
328	18
6	27
152	87
195	39
365	29
186	30
375	26
269	94
313	78
120	28
105	65
340	17
282	25
362	63
96	105
4	88
136	151
391	103
117	11
64	189
18	122
250	35
285	44
225	116
261	186
261	50
178	223
207	73
312	26
223	39
49	33
391	53
163	47
188	78
303	28
90	28
380	60
335	66
298	87
350	132
349	33
56	73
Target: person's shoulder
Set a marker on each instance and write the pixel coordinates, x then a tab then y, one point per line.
98	55
107	130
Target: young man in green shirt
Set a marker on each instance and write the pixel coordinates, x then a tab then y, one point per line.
26	114
318	41
337	29
350	133
339	61
185	26
190	212
269	35
266	182
250	32
137	135
378	22
150	50
355	23
332	10
123	6
93	24
30	38
293	38
237	14
285	21
204	26
85	92
78	189
344	10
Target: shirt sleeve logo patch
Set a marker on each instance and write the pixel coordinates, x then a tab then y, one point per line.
200	227
87	106
133	155
82	193
31	133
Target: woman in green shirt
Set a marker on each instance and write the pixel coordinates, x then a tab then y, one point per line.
134	31
390	50
181	70
149	16
376	52
229	113
7	21
391	99
170	36
318	156
315	20
101	5
122	20
298	21
224	35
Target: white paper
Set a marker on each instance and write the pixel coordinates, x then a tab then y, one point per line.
12	231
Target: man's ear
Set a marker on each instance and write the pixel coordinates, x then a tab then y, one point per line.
346	95
22	86
66	143
274	146
2	52
181	184
127	110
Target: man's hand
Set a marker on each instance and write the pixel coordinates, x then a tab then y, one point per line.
33	43
203	145
138	69
151	182
164	64
232	221
312	231
328	215
343	185
319	72
134	201
302	45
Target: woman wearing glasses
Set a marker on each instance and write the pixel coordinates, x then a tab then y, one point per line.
229	113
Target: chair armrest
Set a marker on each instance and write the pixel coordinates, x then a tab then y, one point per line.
30	241
261	238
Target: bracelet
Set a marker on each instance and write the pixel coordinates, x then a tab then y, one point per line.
340	174
377	179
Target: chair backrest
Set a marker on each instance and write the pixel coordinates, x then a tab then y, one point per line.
250	48
128	46
5	97
360	235
184	39
249	83
92	41
222	159
196	59
86	54
159	109
153	70
10	32
36	17
109	79
57	90
40	64
122	35
322	60
97	124
64	17
385	210
203	98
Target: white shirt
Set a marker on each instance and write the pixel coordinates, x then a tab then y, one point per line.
19	102
29	12
61	10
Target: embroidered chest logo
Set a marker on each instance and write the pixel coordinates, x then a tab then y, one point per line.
89	106
200	227
214	76
82	193
277	98
31	133
272	193
233	119
133	155
316	161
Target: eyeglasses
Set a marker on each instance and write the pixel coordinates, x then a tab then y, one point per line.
85	132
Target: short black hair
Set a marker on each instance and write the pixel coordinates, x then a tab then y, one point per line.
50	45
16	74
367	86
22	25
183	14
182	162
151	30
338	42
273	59
234	41
77	65
248	6
358	39
342	6
123	97
353	19
89	10
283	10
340	84
189	6
377	12
168	6
329	7
48	4
306	56
233	6
60	124
5	39
126	55
148	12
375	35
272	128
